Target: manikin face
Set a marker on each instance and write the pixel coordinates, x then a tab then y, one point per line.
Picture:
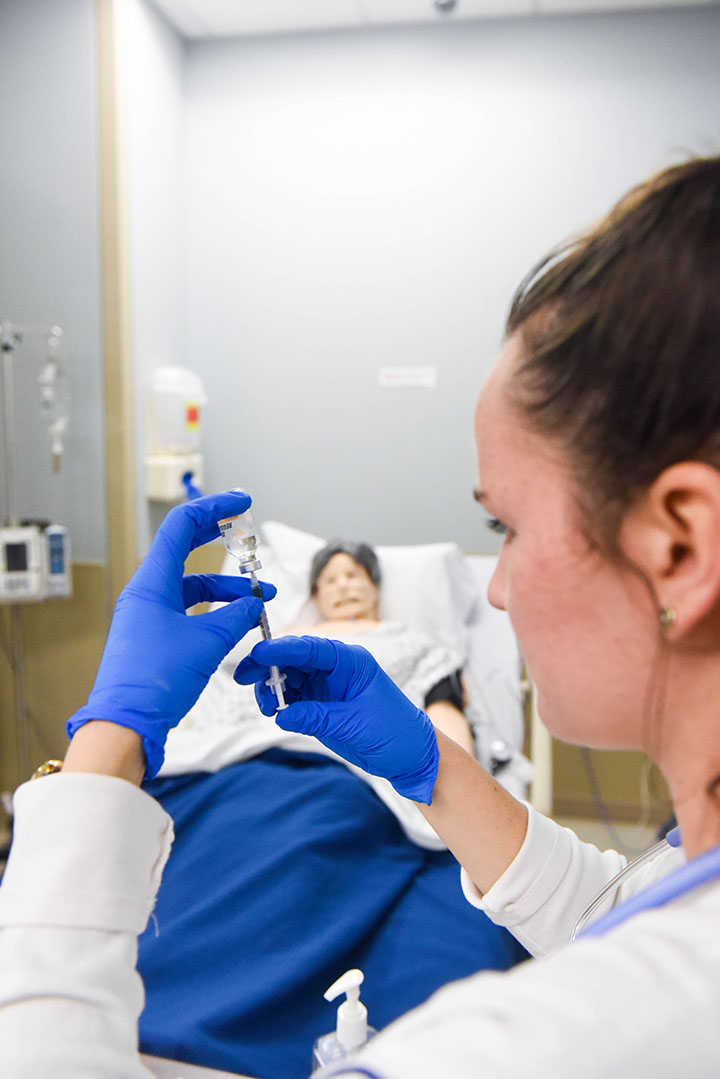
344	590
586	626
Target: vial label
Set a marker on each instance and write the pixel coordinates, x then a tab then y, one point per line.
239	540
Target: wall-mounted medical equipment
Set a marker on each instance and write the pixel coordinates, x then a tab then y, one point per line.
352	1030
53	395
34	562
240	536
34	555
174	458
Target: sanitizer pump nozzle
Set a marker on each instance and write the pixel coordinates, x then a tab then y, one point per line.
352	1030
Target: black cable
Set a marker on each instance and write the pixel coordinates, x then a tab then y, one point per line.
31	718
600	805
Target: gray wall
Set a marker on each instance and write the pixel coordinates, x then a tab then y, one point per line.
49	253
367	199
306	209
155	81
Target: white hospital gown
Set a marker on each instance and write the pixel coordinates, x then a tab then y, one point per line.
414	661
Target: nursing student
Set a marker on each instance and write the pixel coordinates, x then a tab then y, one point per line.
598	444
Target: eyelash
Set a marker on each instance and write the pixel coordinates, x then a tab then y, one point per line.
495	525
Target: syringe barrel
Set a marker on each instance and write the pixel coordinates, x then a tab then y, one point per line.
276	679
265	626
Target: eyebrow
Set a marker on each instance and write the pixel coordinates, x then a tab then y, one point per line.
479	495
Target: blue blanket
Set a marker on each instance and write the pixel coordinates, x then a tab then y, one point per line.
287	870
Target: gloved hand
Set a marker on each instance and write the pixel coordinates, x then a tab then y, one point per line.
338	693
157	659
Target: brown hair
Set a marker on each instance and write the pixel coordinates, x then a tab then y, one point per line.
621	335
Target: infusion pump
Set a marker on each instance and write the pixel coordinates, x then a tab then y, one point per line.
34	563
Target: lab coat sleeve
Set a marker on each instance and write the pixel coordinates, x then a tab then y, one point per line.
547	886
86	861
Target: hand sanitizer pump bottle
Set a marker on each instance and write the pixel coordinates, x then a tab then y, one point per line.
352	1030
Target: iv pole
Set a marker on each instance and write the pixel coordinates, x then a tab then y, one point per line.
10	338
9	341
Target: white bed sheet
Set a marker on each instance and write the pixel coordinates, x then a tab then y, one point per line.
161	1068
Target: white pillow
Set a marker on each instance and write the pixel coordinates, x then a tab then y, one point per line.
494	667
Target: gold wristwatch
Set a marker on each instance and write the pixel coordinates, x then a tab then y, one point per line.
47	769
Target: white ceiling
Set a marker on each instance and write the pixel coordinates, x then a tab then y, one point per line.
233	18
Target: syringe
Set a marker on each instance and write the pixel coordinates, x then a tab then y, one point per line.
240	537
276	680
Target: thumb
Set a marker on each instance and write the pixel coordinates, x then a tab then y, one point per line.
235	619
306	717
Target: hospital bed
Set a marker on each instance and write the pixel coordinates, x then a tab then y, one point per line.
290	867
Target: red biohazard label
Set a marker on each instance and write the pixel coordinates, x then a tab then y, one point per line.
192	415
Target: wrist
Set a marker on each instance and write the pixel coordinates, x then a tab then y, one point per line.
107	749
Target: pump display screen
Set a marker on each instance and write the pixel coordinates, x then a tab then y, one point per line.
16	557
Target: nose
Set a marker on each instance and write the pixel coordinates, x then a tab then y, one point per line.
496	586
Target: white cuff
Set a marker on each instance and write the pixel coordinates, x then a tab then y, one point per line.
532	876
88	851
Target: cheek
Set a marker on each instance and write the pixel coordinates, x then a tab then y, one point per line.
533	588
552	604
324	598
585	632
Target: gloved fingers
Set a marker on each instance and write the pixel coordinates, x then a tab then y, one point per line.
266	698
248	671
298	686
185	528
308	654
234	620
310	717
215	588
198	519
294	654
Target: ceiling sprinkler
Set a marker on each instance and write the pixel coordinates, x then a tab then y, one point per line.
445	7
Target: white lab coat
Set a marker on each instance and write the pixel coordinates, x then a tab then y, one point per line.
86	862
640	1002
88	853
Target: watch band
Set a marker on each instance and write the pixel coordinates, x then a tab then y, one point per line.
47	769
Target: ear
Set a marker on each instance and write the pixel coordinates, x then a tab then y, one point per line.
672	535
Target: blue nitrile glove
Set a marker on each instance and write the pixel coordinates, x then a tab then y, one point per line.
338	693
158	659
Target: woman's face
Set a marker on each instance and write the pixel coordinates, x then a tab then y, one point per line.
586	626
344	590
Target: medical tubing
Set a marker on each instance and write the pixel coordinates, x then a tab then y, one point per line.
613	886
701	870
672	839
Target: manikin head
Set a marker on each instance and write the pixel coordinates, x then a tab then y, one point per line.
345	581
